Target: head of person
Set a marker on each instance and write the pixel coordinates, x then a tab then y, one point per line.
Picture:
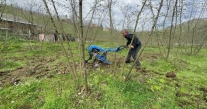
124	32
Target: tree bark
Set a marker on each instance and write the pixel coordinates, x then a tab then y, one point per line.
82	45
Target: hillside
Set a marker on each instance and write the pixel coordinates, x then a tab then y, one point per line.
42	20
189	33
194	30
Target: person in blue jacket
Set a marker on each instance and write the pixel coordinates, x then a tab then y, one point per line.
135	46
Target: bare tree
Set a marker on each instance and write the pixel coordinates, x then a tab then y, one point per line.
110	2
56	30
74	15
138	15
92	16
179	39
62	31
2	7
195	30
82	44
170	37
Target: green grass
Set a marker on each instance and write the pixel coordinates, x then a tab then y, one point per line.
107	88
6	65
20	94
40	94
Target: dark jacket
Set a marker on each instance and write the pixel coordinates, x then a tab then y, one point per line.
136	42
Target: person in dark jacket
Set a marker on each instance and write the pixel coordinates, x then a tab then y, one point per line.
135	46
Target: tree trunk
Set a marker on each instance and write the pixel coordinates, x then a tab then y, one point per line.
170	38
82	45
138	15
56	30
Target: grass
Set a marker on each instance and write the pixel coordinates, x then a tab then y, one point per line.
60	94
9	65
107	88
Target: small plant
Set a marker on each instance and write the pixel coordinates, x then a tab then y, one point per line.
157	85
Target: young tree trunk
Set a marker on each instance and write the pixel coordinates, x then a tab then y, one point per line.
2	8
74	15
180	28
56	30
138	15
196	51
153	26
195	31
109	5
82	45
152	29
71	53
90	22
170	38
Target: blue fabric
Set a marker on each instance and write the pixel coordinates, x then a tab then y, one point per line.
113	49
102	58
102	49
95	47
107	62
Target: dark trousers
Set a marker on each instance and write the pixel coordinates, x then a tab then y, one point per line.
133	53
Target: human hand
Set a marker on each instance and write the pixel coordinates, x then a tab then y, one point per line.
131	46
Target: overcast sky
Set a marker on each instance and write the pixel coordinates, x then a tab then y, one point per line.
192	9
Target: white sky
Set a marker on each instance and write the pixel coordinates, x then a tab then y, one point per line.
133	6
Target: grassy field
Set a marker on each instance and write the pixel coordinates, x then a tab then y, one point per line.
36	75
